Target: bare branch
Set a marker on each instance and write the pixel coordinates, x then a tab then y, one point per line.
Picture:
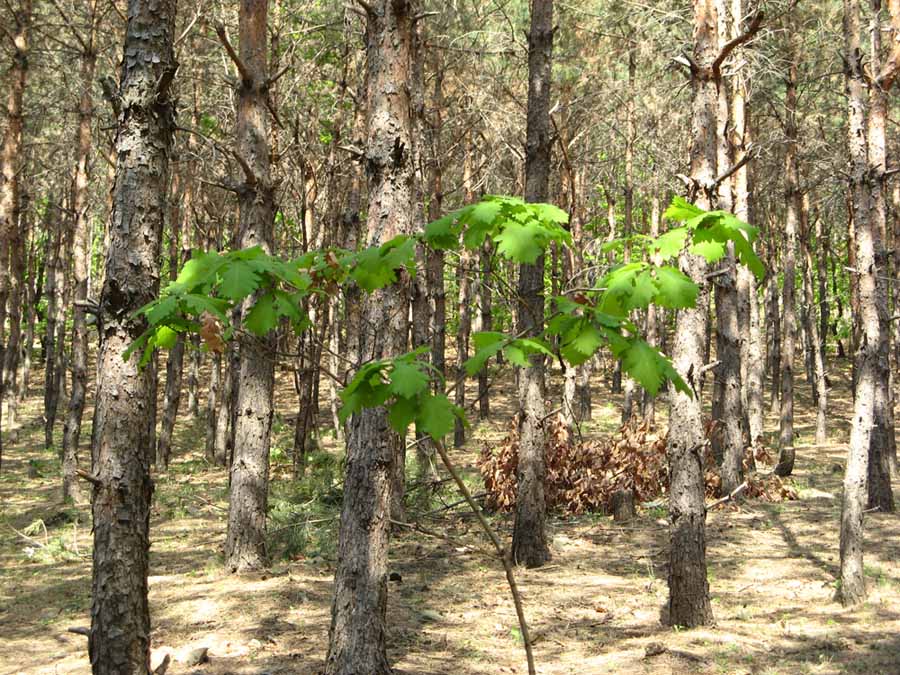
729	47
242	69
736	167
89	477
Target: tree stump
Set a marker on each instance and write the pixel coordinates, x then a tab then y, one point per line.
623	505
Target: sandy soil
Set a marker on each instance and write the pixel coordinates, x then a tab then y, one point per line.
594	609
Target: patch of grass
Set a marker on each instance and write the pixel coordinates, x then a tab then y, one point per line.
304	514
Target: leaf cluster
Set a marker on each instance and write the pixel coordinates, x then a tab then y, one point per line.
270	291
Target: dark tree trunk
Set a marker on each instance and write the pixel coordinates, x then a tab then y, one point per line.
464	274
792	196
17	303
819	388
485	303
651	330
530	546
122	448
689	603
215	384
53	287
37	265
773	330
245	542
222	442
10	165
357	637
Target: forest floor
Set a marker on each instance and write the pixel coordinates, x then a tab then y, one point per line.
594	609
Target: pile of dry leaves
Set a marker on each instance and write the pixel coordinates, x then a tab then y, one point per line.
582	476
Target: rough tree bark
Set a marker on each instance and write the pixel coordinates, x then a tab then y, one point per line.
689	603
882	447
853	585
119	642
357	636
728	441
820	391
18	289
52	289
10	166
629	386
465	272
179	253
245	541
752	362
80	257
792	197
529	545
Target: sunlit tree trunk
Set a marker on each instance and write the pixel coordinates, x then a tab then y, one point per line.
689	603
122	448
530	546
883	446
788	265
865	241
245	541
752	362
728	442
357	636
81	259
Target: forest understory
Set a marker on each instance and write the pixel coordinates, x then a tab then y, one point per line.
595	608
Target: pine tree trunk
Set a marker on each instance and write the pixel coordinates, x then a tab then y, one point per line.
853	586
629	388
652	322
464	275
530	546
122	448
215	384
51	379
752	363
821	392
485	303
10	165
773	331
727	410
883	446
245	541
81	268
35	291
357	636
689	603
785	466
18	289
222	443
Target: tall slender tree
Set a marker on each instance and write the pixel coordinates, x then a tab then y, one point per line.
10	167
357	637
792	198
689	603
883	444
122	445
869	288
81	249
530	546
245	541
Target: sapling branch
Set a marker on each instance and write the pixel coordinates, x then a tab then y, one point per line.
502	553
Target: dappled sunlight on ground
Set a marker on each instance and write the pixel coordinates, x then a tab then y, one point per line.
595	608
